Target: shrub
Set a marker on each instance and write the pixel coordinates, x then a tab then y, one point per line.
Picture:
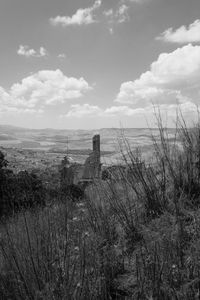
74	192
19	191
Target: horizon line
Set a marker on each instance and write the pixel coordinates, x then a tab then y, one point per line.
85	129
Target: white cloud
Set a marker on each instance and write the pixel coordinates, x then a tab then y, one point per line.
111	30
78	110
134	1
122	14
88	110
108	13
83	16
28	52
118	16
183	34
62	55
119	110
173	78
45	87
169	112
43	52
12	110
85	111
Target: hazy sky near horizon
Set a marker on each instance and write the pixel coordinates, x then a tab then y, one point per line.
98	63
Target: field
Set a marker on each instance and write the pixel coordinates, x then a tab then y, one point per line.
28	149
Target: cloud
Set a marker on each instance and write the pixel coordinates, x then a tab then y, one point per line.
88	110
45	87
85	111
25	50
119	110
109	13
78	110
62	55
83	16
147	115
111	30
86	16
12	110
122	14
134	1
174	78
137	1
169	112
183	34
118	16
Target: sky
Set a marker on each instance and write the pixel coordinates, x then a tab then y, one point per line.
88	64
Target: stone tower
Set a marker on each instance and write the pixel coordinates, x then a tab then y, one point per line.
96	143
92	167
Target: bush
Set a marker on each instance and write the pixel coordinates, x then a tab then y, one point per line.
74	192
19	191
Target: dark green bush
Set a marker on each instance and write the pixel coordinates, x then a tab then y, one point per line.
18	191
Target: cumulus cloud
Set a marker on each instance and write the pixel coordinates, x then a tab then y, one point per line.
45	87
119	110
88	110
78	110
83	16
12	110
183	34
109	13
26	51
122	14
169	112
172	79
118	16
62	55
82	111
133	1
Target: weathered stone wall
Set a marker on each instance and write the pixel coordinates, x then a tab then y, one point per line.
76	173
92	167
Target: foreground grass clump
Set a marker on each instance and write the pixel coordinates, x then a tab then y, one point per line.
135	235
53	254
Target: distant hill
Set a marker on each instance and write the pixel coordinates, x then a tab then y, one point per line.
79	141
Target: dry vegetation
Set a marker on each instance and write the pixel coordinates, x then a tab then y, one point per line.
133	238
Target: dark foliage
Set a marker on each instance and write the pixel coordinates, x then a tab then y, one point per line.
105	175
17	191
73	191
3	161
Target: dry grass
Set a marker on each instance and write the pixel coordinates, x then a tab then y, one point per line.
135	236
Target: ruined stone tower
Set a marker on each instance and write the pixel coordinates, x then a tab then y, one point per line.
96	143
92	167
